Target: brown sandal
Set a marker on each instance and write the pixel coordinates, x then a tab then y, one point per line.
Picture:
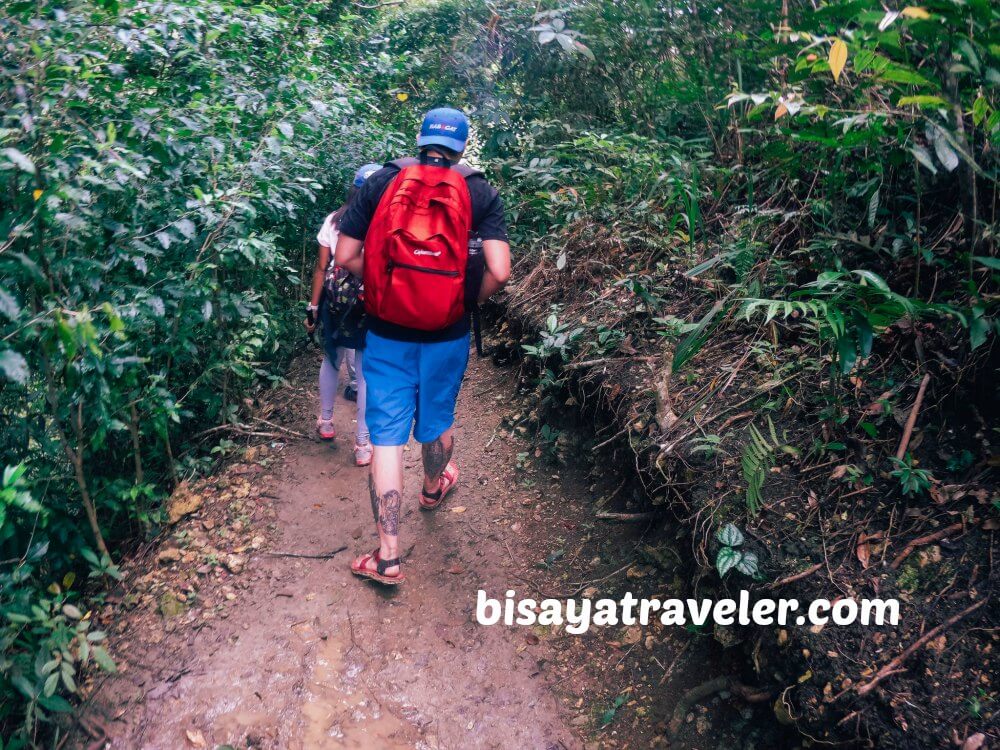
381	566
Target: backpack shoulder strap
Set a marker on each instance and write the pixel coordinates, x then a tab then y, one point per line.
466	171
463	169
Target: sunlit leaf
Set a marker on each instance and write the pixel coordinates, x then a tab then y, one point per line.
837	58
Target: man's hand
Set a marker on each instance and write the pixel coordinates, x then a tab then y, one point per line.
310	321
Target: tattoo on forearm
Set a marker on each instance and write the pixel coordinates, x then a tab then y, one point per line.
436	457
388	512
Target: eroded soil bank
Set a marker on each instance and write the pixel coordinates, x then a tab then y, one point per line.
223	639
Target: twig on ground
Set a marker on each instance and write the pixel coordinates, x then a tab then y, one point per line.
627	517
797	577
296	433
912	419
926	539
322	556
895	666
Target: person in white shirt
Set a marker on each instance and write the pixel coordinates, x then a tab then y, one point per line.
335	303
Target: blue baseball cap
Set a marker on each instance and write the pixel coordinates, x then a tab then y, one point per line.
364	173
444	127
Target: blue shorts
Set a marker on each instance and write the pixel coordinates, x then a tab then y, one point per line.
412	382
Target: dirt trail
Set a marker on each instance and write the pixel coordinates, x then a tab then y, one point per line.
312	657
280	652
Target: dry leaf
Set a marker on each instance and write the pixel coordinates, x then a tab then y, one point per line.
914	11
458	509
456	570
196	738
863	552
780	112
837	58
402	96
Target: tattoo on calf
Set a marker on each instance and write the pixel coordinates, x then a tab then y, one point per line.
436	457
385	509
388	512
373	494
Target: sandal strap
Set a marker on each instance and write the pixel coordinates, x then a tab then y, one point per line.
432	495
382	565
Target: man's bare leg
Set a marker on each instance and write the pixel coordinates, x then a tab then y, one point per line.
385	488
436	455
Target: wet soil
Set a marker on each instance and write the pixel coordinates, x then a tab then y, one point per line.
284	652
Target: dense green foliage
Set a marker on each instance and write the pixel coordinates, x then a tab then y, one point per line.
166	164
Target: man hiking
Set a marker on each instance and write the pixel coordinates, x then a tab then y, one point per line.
417	219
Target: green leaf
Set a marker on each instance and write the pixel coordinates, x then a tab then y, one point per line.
727	559
873	208
72	611
730	535
8	305
979	328
748	564
104	661
19	160
14	366
847	354
922	101
945	153
984	260
924	157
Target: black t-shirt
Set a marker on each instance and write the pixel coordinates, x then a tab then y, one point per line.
487	221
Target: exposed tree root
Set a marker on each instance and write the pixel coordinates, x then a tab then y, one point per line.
705	689
895	665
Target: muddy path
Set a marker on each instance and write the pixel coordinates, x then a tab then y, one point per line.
272	651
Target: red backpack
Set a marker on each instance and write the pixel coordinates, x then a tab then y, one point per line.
417	247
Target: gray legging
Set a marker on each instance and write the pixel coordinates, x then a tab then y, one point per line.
329	377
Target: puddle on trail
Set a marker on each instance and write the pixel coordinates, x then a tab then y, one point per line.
341	711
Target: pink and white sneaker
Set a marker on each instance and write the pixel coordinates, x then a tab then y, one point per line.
362	454
324	427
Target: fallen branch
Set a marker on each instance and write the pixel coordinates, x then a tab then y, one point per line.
912	419
705	689
604	361
627	517
894	666
922	540
323	556
385	4
797	577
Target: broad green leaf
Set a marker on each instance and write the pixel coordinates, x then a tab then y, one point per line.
991	263
923	156
104	661
22	162
14	366
730	535
8	305
727	559
747	564
945	154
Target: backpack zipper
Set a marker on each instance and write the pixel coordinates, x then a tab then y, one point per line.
396	264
